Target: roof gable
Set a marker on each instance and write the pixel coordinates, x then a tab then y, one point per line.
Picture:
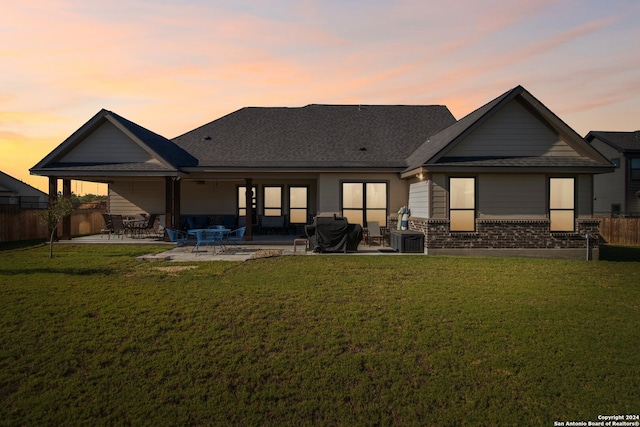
514	126
109	142
513	131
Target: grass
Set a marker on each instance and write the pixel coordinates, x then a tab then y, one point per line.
92	337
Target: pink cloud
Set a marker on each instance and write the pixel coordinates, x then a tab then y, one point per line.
528	52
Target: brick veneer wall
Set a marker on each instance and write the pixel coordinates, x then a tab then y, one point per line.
502	234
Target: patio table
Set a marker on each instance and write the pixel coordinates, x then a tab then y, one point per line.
199	233
133	226
195	231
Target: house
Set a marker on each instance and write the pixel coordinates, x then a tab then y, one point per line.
617	193
16	192
510	175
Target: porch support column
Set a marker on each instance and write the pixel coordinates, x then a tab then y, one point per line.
176	202
248	194
53	195
66	221
171	203
168	203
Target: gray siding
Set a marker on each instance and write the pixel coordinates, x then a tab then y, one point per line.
208	197
608	188
134	197
584	194
512	131
419	199
439	196
512	196
108	144
632	201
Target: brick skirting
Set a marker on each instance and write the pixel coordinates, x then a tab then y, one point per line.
503	234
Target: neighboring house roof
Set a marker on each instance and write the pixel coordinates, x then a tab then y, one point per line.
6	190
433	153
163	155
624	142
12	187
315	136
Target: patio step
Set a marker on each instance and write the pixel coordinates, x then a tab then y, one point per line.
154	257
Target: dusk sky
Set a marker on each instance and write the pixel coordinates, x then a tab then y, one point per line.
173	65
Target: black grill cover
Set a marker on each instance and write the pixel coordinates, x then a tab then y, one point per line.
333	234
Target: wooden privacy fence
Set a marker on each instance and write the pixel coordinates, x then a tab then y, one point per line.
620	231
24	224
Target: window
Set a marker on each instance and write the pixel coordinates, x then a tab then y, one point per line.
635	169
272	201
298	205
462	204
242	201
363	202
561	204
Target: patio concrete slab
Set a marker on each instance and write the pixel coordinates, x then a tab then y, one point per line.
261	247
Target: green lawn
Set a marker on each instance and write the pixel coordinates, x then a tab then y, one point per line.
92	337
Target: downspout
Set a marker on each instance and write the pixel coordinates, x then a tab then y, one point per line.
176	202
168	204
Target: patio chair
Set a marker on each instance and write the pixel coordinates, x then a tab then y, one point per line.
148	225
108	225
211	237
117	225
374	233
236	235
177	236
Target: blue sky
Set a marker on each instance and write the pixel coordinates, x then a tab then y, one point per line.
174	65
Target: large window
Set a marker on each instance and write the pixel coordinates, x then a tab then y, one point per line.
365	201
242	200
462	204
272	201
298	205
561	204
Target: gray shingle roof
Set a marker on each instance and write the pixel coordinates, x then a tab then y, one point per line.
521	162
113	167
621	141
315	136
